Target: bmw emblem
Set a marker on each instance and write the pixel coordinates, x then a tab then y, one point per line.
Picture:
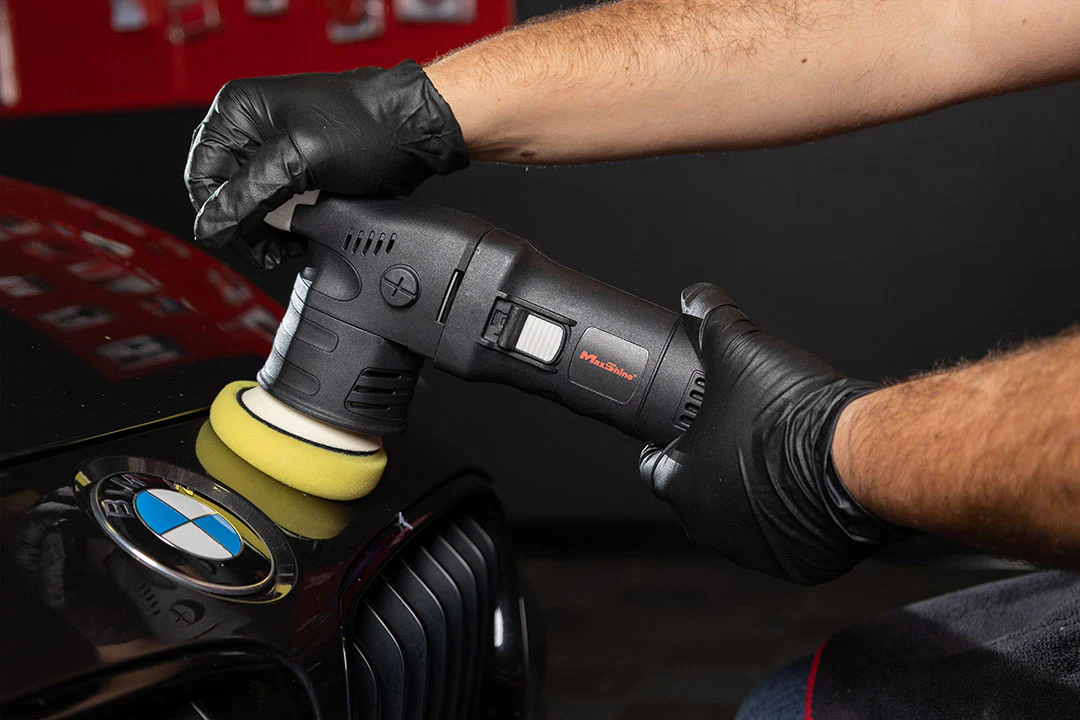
187	527
187	524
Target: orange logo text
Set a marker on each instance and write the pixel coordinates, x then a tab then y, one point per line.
609	366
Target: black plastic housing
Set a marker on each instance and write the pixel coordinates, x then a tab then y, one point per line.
342	354
351	344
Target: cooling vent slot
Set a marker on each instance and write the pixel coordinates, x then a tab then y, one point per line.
369	242
423	628
382	392
690	405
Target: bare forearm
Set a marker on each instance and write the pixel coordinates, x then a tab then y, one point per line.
643	77
987	453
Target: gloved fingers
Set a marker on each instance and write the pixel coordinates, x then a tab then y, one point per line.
705	305
267	247
647	463
53	562
211	161
726	336
272	175
699	303
225	139
658	465
708	310
48	515
700	298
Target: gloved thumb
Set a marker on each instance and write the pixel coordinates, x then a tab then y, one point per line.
650	457
657	464
272	175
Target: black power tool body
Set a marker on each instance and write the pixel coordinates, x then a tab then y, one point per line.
391	283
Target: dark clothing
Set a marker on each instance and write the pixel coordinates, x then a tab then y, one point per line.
1006	650
781	697
1009	649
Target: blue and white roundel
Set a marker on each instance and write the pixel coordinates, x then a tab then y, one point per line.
187	524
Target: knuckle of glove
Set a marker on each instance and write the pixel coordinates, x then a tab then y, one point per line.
232	92
656	467
699	299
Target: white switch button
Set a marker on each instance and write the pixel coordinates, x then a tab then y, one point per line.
540	338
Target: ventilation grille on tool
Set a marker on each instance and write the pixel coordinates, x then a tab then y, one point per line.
690	405
423	628
371	242
382	393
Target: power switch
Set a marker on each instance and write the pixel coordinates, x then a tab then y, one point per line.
540	338
516	329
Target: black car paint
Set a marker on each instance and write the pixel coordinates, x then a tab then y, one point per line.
94	621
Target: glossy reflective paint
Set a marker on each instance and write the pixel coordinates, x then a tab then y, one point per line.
109	322
74	602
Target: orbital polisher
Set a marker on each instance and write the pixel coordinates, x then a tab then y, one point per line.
391	283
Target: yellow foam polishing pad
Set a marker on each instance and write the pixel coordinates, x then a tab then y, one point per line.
299	513
315	468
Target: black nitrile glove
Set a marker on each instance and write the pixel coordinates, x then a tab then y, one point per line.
64	559
362	132
753	477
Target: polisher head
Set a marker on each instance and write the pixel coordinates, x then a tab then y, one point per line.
295	449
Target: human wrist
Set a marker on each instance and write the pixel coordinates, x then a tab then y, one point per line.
851	505
849	424
421	121
473	103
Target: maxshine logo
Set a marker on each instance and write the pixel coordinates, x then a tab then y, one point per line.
605	365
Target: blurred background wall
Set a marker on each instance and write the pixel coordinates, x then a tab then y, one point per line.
887	252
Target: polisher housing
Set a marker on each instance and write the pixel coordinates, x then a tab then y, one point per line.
391	283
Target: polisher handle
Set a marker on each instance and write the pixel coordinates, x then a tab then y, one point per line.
522	320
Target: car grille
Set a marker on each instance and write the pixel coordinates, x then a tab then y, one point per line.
423	627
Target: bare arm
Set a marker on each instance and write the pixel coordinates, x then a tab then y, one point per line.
646	77
987	453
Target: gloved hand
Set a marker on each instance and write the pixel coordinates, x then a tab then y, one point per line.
753	477
362	132
65	560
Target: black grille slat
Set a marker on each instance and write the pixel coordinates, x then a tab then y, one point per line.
468	551
376	640
459	570
483	541
367	688
425	605
412	641
442	585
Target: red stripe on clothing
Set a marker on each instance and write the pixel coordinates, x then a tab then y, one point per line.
808	714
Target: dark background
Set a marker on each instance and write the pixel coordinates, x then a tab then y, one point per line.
887	252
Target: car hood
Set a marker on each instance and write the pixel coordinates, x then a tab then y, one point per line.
109	323
77	606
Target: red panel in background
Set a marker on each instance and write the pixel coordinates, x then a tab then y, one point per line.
80	55
66	56
297	40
